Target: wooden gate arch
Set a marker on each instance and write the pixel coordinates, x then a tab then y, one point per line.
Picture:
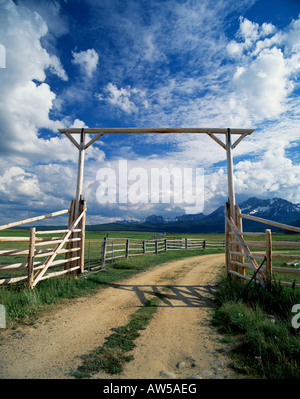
227	138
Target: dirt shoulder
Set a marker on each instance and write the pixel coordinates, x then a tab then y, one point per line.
179	342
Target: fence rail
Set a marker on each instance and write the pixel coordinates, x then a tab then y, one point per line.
115	248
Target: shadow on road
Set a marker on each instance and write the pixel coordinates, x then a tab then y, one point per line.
172	295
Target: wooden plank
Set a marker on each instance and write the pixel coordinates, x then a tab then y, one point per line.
287	270
9	252
40	232
11	280
242	276
56	274
48	253
154	130
239	140
14	239
35	219
72	140
289	284
211	135
243	265
241	253
271	222
281	256
93	140
243	234
38	244
286	244
59	262
19	265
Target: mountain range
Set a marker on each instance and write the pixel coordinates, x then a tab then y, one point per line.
276	209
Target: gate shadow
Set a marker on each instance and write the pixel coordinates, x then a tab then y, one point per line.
172	295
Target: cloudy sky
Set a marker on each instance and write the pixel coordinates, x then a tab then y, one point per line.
146	63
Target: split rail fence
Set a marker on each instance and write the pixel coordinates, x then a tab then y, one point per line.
114	248
258	252
44	249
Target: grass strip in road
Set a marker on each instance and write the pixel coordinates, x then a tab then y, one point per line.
111	356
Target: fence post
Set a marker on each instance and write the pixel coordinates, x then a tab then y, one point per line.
127	248
69	245
156	247
82	236
204	244
269	256
103	252
227	241
165	244
186	243
89	258
239	224
144	247
31	257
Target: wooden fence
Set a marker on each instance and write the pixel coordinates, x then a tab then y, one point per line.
257	251
45	249
114	248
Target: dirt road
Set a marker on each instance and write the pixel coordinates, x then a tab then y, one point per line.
179	342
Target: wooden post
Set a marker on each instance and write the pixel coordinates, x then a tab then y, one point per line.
269	256
144	247
31	257
186	243
231	193
127	248
204	244
80	173
239	224
69	245
82	236
166	244
156	247
227	241
103	252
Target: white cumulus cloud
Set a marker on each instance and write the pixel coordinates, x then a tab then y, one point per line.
86	60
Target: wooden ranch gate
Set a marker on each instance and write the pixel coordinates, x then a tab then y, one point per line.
257	255
66	248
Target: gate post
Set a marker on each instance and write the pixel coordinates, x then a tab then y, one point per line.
31	257
103	252
239	224
269	256
82	235
227	240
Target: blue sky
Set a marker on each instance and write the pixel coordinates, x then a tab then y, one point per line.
138	63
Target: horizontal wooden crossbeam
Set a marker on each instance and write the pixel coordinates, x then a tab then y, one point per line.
159	130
